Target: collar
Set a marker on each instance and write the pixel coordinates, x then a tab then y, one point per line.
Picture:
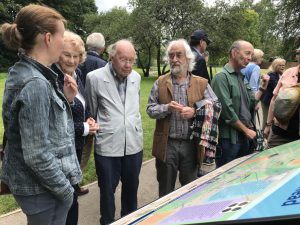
187	78
113	72
93	53
196	50
48	73
74	75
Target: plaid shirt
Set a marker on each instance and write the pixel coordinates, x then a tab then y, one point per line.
179	128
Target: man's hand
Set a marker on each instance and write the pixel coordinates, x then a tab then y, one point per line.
70	88
175	107
187	112
250	134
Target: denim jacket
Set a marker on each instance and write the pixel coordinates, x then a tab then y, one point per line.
40	152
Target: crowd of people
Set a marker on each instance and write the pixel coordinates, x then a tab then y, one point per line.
62	100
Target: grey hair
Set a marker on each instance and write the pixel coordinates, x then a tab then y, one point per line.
188	52
236	45
95	41
112	49
257	54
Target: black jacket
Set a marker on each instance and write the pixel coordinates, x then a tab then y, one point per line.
92	62
79	114
200	68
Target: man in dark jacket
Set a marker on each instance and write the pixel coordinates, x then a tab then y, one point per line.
199	41
95	44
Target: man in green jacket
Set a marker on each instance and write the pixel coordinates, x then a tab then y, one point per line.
238	102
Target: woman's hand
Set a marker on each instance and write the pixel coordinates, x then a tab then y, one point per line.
93	126
70	88
267	131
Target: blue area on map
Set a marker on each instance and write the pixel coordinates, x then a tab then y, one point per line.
240	190
284	201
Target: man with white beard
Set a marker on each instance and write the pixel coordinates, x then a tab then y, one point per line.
173	102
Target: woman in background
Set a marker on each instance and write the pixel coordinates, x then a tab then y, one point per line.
275	71
40	164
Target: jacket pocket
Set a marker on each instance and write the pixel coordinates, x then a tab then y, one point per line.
105	140
58	117
68	162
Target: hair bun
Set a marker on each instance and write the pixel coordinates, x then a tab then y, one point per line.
10	35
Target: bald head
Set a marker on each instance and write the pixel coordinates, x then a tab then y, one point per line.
240	54
239	44
122	56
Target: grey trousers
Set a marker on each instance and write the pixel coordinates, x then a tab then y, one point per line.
181	156
44	209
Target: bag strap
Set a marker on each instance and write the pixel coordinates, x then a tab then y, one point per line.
258	119
254	124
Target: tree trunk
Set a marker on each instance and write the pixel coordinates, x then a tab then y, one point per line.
158	56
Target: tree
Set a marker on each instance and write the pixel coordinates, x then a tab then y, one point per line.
114	24
8	11
268	29
72	10
226	23
288	21
161	21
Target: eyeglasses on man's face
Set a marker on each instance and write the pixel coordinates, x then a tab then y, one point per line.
178	55
125	61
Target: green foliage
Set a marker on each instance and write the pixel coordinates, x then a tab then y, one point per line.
270	25
286	27
7	204
114	25
269	38
72	10
226	23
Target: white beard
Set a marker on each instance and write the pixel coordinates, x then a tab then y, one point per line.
177	70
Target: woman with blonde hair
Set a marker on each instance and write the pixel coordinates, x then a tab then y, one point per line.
72	55
275	71
40	164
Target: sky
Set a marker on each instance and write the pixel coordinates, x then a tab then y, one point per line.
106	5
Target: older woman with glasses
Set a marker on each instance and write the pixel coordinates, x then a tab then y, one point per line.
74	53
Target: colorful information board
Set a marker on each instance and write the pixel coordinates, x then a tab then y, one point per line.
265	185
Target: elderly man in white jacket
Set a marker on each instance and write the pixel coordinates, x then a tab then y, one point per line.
113	95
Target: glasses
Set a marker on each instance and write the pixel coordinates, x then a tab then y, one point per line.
125	61
179	55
